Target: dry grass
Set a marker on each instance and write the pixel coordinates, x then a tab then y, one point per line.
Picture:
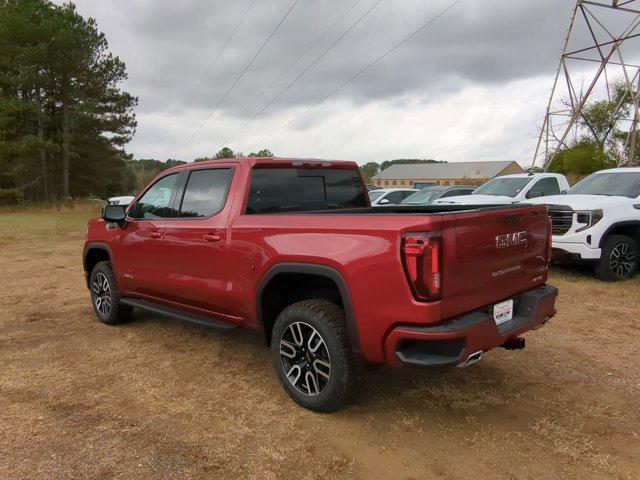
81	205
160	399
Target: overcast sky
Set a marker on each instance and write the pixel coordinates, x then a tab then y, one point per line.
472	86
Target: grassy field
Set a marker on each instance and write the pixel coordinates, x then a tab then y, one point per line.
157	398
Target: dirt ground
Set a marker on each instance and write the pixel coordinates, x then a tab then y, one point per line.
158	398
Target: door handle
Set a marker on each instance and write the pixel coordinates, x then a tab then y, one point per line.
211	238
155	235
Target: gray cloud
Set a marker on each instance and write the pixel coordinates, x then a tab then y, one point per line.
168	46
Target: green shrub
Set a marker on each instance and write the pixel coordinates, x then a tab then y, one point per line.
581	159
10	196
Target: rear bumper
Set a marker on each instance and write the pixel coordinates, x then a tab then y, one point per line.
451	342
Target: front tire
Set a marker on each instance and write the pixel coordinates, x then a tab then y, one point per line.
105	296
618	260
312	355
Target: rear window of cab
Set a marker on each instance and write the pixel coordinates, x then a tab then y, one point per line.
293	189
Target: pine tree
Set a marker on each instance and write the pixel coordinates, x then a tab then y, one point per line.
64	120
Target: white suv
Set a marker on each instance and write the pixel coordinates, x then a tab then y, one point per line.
512	189
598	220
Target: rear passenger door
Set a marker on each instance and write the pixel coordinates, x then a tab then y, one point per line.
195	241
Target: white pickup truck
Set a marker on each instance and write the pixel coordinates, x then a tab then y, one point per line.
512	189
598	221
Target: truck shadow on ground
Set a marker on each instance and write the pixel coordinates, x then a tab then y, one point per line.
463	391
484	386
578	270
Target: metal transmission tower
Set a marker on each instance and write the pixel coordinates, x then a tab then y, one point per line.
601	41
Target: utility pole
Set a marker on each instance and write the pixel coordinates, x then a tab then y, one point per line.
593	59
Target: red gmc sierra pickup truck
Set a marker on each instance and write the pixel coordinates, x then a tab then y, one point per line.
293	249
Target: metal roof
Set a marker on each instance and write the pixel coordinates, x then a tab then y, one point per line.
443	171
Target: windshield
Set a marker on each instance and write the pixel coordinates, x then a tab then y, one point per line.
624	184
507	186
373	196
423	197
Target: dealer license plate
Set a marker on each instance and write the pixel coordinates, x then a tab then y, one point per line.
503	312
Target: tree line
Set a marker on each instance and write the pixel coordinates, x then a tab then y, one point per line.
226	152
64	118
138	173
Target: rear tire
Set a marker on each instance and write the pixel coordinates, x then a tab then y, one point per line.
105	296
312	355
618	259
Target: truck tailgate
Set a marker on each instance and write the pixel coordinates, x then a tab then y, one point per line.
491	255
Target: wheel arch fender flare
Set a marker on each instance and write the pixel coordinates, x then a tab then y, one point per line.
626	223
321	271
94	248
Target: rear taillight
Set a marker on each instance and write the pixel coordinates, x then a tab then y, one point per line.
422	259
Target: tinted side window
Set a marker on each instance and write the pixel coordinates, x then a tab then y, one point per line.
206	192
300	189
544	187
391	198
396	197
456	193
407	194
156	202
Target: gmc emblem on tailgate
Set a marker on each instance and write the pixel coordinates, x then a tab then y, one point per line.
511	239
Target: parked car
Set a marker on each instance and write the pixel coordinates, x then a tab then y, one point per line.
389	196
125	200
512	189
292	249
421	185
429	195
598	221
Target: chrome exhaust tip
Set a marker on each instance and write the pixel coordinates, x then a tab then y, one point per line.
473	358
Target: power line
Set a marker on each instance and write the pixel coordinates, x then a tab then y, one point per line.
237	80
222	50
309	67
353	77
214	62
311	47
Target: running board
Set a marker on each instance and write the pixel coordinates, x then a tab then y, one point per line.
179	314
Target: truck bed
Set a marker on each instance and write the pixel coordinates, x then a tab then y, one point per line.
403	210
489	253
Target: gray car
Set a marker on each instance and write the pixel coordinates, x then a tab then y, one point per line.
428	195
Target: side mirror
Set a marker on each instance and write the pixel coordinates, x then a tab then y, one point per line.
534	194
384	201
114	213
563	192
